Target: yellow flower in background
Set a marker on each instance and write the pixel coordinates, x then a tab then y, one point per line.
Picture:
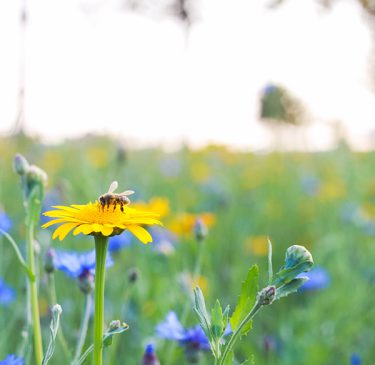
368	210
332	190
98	156
93	219
157	205
184	223
257	245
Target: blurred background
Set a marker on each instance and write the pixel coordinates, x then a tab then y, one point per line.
256	118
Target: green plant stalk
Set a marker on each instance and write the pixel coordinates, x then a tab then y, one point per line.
60	333
237	332
101	247
84	327
34	303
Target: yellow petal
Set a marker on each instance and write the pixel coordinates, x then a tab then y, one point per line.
140	233
106	231
83	228
63	230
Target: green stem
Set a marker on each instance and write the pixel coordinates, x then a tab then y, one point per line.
38	346
60	333
237	332
101	246
84	327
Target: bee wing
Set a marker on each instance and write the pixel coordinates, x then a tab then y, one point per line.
113	187
128	192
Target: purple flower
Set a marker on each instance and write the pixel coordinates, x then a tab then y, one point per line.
269	88
12	360
355	359
7	294
118	242
5	221
149	357
319	278
172	329
76	264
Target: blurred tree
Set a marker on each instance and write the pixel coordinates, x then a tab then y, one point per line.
277	104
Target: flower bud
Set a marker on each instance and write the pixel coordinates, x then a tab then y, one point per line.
86	282
49	261
36	175
267	295
56	309
115	325
133	275
20	164
200	230
149	357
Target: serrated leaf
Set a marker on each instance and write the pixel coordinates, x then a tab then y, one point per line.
246	301
217	321
201	311
290	288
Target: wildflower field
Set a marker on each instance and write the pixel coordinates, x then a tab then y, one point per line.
218	209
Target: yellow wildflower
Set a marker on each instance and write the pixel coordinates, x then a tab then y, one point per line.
184	223
158	205
258	245
93	219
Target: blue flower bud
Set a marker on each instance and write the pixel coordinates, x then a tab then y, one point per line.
49	260
200	230
267	295
20	164
149	357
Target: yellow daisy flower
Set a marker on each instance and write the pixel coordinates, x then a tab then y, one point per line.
93	219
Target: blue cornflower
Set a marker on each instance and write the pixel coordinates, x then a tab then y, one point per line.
309	185
319	278
355	359
5	221
7	294
149	357
52	198
172	329
12	360
118	242
76	264
80	266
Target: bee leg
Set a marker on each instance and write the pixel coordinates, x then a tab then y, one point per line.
114	206
122	207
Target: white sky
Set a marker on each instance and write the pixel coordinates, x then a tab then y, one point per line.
141	77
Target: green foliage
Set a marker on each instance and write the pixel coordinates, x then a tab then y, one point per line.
54	327
246	300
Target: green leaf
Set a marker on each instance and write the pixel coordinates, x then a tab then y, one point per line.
217	321
229	359
246	301
201	311
54	326
290	287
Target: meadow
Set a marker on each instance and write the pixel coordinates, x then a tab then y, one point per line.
324	201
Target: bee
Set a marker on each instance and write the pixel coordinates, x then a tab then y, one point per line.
111	198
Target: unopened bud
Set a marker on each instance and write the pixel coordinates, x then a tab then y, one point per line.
267	295
149	357
200	230
56	309
20	164
86	282
35	175
115	325
49	261
133	275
